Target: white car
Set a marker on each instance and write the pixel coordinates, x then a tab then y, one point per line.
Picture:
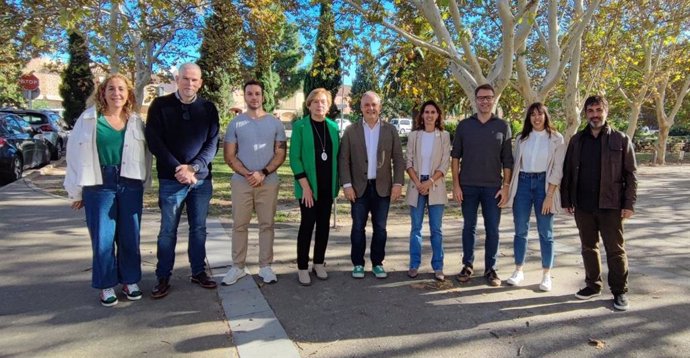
403	125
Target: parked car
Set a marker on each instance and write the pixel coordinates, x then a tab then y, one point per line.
20	147
404	125
49	123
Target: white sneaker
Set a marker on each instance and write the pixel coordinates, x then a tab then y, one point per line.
320	271
108	297
303	277
132	291
545	284
234	274
267	274
516	278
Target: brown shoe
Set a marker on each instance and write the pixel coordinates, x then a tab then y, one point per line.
492	279
162	288
203	280
439	276
465	274
412	273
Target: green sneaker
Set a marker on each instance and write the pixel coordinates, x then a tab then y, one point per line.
358	272
379	272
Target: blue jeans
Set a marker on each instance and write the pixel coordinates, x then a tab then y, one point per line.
531	192
113	216
435	221
473	196
377	205
172	197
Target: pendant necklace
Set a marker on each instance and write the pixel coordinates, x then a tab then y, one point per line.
324	156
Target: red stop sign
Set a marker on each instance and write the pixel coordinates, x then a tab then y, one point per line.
28	82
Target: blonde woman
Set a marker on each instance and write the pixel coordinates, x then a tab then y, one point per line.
314	162
107	165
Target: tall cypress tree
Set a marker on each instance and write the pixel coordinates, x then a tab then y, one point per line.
325	69
220	55
77	79
365	80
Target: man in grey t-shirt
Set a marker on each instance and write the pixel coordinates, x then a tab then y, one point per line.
255	146
482	142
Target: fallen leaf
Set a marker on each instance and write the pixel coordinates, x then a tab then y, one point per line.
494	334
527	323
520	350
599	344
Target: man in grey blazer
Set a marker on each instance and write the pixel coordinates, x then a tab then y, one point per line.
371	168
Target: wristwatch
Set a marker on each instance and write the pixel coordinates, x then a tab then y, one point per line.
265	171
195	168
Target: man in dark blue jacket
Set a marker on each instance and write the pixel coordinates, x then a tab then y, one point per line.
182	133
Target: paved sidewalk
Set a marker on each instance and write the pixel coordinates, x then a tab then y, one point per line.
400	317
45	242
47	307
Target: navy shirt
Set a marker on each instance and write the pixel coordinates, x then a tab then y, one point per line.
180	133
589	175
485	150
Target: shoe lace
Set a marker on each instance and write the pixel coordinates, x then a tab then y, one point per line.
108	292
132	287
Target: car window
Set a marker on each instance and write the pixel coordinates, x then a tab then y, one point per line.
11	123
405	121
33	119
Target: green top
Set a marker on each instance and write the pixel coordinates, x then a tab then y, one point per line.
109	142
302	159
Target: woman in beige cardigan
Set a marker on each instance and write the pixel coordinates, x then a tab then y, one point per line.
428	157
539	151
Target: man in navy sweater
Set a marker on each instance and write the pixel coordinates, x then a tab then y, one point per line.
182	133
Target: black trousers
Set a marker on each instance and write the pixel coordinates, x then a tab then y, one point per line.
318	215
609	224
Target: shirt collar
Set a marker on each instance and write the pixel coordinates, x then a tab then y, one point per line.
177	94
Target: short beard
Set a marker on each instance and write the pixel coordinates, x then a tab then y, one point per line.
592	125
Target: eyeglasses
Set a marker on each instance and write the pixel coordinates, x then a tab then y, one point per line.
185	113
485	98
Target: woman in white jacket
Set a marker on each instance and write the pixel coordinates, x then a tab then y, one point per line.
107	165
539	151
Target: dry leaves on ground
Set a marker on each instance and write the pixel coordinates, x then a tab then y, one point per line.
599	344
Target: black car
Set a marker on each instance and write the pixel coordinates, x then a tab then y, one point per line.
50	124
20	147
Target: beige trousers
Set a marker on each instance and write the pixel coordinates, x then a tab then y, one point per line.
245	201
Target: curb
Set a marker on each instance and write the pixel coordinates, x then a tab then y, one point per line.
256	331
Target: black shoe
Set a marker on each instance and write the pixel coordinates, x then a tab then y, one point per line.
492	279
620	302
465	274
203	280
587	293
162	288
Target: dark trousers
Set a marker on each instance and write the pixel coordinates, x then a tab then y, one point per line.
609	224
318	215
378	206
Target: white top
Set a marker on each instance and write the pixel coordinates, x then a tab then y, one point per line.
83	166
536	154
427	149
371	138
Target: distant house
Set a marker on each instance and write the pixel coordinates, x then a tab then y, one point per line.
48	73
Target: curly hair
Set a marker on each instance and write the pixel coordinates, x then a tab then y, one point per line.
102	104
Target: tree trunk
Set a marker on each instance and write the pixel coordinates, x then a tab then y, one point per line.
571	102
661	143
635	109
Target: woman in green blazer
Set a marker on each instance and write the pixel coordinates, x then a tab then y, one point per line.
314	161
